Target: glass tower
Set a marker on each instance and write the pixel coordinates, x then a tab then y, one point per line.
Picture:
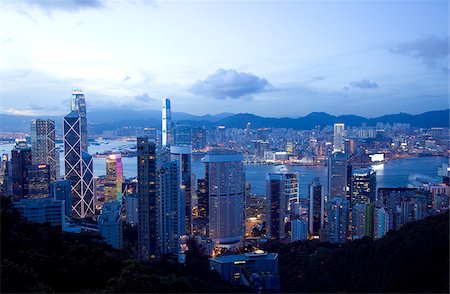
43	150
79	105
166	123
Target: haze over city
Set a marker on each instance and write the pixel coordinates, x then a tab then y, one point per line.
264	57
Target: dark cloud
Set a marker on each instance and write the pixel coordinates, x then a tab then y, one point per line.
144	98
230	84
364	84
126	79
429	49
69	5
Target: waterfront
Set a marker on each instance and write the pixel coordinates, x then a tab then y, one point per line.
395	173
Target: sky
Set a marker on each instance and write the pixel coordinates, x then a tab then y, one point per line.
270	58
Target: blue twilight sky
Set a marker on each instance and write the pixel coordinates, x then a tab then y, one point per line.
271	58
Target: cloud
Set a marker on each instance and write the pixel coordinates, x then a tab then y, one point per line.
429	49
126	79
144	98
363	84
33	106
319	78
68	5
230	84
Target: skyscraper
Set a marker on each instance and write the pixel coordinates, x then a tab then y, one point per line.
79	105
337	219
43	149
110	224
147	202
201	223
226	189
338	145
38	181
199	139
182	135
183	156
20	162
5	176
363	187
61	190
166	123
337	174
113	178
316	207
276	206
78	167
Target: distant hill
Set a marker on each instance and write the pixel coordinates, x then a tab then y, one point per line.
100	120
414	259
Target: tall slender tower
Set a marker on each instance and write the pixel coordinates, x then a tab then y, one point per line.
166	123
147	201
316	207
20	163
337	174
338	137
43	149
114	178
276	205
79	105
78	168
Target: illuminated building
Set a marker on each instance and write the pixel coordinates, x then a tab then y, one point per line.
38	181
114	178
79	105
166	123
316	207
337	219
226	188
20	162
78	167
110	224
338	145
183	155
43	150
5	176
337	174
201	222
198	139
182	135
147	203
363	188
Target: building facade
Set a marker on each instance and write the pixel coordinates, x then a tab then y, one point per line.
114	178
43	149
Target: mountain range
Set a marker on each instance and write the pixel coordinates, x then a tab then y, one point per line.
101	120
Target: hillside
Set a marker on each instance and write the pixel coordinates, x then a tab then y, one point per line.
413	259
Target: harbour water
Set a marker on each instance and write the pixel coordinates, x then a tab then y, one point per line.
396	173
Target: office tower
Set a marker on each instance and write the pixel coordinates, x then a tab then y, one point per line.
147	204
338	145
171	218
43	150
42	210
113	178
201	222
183	155
62	190
199	139
337	174
79	105
299	230
363	187
291	190
337	219
78	167
38	181
131	209
359	220
5	176
182	135
226	187
166	123
381	222
20	162
110	224
151	133
316	207
276	206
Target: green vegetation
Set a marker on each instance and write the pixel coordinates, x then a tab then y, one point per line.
413	259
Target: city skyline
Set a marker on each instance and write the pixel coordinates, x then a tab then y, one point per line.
266	58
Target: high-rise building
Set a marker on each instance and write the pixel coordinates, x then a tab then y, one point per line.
147	203
291	190
38	181
226	189
201	222
183	155
337	219
171	219
113	178
338	145
79	105
166	123
182	135
78	167
110	224
359	220
131	209
299	230
5	176
20	162
363	187
199	139
381	222
42	210
316	207
62	190
43	150
276	206
337	174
